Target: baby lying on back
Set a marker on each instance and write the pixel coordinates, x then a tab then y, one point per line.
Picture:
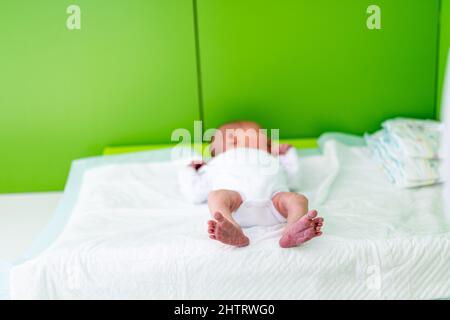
247	183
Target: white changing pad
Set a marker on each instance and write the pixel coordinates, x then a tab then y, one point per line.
131	235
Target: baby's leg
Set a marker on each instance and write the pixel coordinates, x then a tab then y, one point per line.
222	204
301	224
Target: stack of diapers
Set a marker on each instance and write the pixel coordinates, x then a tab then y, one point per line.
409	151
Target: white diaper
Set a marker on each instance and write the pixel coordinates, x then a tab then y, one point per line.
257	213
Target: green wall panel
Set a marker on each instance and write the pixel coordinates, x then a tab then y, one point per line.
127	77
312	66
444	46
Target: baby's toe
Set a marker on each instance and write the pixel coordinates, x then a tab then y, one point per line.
312	214
318	222
318	227
211	226
211	223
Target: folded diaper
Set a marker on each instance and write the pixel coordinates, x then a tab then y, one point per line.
414	138
409	151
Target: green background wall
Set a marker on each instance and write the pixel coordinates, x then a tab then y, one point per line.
312	66
128	76
444	46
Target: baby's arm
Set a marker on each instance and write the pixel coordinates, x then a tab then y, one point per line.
289	161
194	183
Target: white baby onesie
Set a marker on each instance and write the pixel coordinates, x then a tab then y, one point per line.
255	174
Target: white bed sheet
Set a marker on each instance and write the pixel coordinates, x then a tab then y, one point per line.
131	235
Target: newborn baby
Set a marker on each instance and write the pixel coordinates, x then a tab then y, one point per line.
247	183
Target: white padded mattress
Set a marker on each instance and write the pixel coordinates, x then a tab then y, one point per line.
131	235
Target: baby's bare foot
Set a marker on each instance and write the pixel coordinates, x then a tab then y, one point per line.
303	230
226	232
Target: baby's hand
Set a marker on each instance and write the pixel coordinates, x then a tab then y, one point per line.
197	164
283	148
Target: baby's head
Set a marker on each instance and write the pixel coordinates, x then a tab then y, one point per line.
239	134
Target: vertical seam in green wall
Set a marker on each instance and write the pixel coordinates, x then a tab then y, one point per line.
438	50
198	61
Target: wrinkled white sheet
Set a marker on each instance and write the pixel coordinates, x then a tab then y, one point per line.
132	235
